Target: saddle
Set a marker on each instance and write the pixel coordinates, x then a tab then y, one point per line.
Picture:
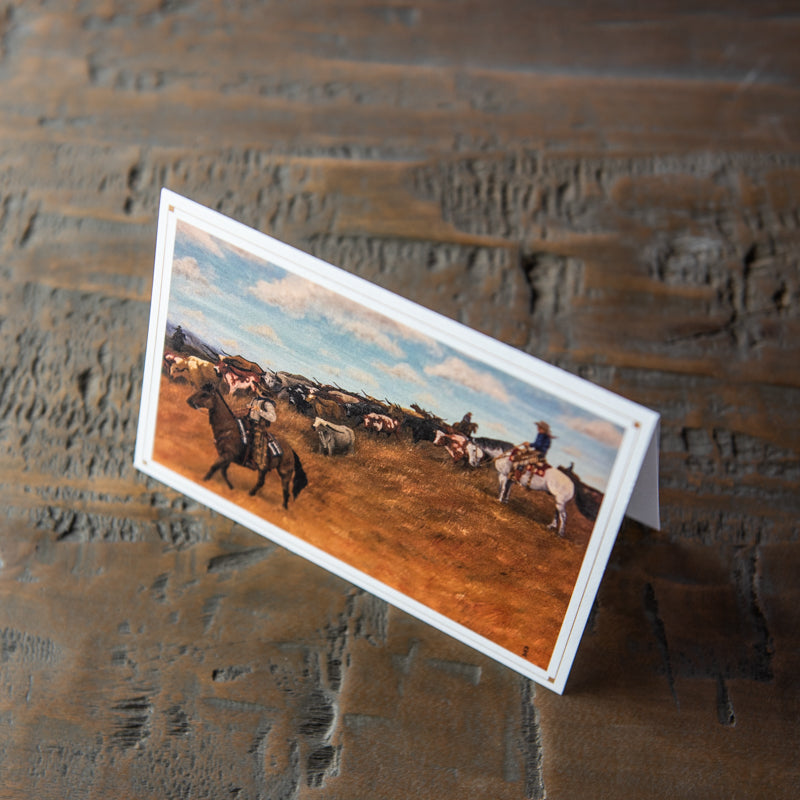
535	470
260	444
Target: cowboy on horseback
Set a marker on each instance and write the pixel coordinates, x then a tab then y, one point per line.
231	443
261	413
466	426
243	375
533	456
544	438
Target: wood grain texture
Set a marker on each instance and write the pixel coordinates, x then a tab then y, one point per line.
616	191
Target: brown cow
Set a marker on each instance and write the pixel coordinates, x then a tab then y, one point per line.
325	408
239	373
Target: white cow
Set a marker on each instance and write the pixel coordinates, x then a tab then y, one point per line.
191	369
334	438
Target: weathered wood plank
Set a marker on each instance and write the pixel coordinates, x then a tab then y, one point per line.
366	82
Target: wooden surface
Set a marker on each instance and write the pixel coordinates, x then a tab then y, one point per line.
614	190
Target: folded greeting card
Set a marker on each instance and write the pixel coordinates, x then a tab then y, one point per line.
458	478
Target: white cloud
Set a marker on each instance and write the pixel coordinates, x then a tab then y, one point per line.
572	451
246	255
331	369
361	378
426	400
598	429
265	331
494	429
292	294
201	239
188	268
458	371
298	297
368	329
230	345
402	371
193	315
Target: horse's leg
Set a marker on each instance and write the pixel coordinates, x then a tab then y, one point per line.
299	477
286	480
222	465
560	519
224	472
262	474
505	488
214	468
562	494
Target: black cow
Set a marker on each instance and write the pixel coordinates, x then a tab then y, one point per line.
296	396
422	430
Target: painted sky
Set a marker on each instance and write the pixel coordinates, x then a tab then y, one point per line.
243	305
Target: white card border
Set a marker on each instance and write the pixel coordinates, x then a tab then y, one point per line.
640	426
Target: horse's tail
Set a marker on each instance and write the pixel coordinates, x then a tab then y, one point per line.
300	478
587	500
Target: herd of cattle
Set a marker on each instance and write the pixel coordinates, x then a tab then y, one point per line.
247	389
336	413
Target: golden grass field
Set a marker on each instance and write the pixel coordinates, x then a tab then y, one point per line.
407	516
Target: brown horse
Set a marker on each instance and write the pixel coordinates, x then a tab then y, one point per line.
231	447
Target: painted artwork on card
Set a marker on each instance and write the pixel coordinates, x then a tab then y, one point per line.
443	471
